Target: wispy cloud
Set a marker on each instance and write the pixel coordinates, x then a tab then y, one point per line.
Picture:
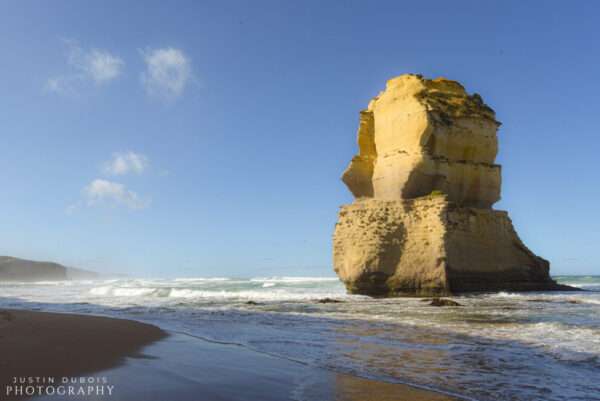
168	72
62	85
125	163
84	66
112	193
101	66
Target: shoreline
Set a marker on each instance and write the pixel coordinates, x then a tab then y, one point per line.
140	361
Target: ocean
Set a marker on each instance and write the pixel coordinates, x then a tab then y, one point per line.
497	346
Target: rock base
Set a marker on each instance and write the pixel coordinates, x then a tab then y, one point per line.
429	246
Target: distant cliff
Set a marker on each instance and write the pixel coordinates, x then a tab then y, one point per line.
15	269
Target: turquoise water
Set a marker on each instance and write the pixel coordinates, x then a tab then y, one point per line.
498	346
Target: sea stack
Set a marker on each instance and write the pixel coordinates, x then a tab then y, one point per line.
424	183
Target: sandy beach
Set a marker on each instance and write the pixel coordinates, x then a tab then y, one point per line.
139	361
53	345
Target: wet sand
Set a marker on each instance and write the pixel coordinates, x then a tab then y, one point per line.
178	367
37	344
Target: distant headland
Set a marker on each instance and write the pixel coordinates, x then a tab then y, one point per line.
15	269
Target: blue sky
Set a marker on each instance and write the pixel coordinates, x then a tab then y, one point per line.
208	138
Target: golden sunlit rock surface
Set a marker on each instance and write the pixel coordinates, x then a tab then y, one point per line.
422	135
425	180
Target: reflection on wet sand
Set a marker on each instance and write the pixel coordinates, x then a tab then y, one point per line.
185	368
351	388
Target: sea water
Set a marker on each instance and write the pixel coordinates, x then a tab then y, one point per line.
497	346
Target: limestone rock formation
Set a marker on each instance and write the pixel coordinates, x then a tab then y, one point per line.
425	180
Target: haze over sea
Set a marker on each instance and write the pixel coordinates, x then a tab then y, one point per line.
498	346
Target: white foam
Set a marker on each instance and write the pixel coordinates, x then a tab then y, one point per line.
196	279
277	295
285	279
134	292
505	294
104	290
129	291
579	285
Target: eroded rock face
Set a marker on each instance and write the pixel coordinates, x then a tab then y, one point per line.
422	135
425	180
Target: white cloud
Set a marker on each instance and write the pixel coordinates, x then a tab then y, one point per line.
85	66
63	85
125	163
168	71
102	191
102	66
